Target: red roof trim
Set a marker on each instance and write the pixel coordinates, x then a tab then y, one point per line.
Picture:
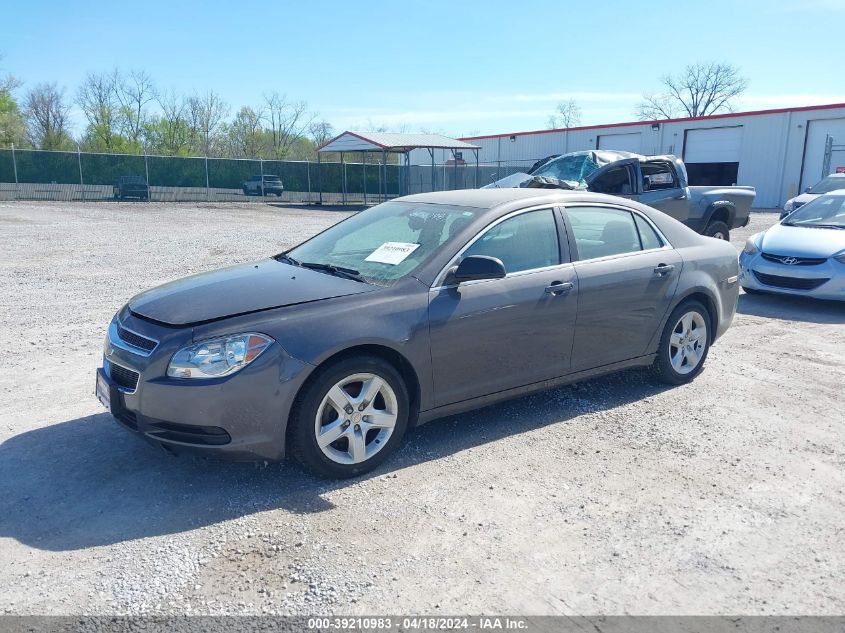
726	115
358	136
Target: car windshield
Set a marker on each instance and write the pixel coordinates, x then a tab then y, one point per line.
573	167
825	212
386	242
273	178
826	185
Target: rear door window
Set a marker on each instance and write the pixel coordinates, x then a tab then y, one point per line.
603	231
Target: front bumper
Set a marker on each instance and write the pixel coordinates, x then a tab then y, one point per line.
832	290
239	417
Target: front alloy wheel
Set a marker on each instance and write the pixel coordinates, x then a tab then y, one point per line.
356	418
349	417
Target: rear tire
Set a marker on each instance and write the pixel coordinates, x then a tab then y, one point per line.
684	344
362	402
719	230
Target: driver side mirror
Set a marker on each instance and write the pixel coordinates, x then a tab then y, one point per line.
807	190
477	267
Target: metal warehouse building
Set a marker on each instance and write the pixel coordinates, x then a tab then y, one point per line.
779	152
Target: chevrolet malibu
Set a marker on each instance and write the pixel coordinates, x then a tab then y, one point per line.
420	307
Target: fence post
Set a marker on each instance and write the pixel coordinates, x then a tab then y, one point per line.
207	188
261	168
81	183
308	176
15	169
345	195
320	177
365	178
147	172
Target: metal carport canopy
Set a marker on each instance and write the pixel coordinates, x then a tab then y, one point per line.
394	143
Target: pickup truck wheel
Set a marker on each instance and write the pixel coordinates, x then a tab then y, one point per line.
719	230
684	344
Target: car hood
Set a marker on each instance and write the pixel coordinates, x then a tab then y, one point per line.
238	290
802	242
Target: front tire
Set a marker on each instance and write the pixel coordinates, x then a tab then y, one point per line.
349	417
719	230
684	344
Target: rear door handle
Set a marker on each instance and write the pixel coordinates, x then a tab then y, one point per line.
559	287
663	269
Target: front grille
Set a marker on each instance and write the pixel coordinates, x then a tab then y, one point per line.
799	261
136	340
793	283
125	378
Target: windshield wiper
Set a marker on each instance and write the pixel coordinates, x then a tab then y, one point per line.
338	271
286	259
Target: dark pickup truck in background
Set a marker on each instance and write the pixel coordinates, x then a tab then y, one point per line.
131	187
657	181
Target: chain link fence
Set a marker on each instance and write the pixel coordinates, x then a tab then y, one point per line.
27	174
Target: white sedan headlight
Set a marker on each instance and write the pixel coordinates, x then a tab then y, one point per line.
217	357
840	257
789	206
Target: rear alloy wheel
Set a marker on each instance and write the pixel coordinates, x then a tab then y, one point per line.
719	230
684	344
350	418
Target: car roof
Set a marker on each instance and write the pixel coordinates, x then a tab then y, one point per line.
491	198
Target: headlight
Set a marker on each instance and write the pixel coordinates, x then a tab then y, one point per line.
217	357
840	257
789	206
752	244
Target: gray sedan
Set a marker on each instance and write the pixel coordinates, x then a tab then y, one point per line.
804	254
417	308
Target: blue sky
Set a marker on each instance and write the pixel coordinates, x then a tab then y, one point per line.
458	67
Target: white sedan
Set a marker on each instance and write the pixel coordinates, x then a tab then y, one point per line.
804	254
825	185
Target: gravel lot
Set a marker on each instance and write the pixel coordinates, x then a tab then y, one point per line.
615	496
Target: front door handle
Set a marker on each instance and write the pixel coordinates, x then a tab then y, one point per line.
663	269
557	288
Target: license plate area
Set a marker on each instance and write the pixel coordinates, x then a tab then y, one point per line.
102	390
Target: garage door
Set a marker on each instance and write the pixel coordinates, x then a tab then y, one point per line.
621	142
712	155
817	132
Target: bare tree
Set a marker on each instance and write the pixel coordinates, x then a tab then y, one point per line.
134	92
169	132
206	115
246	134
321	132
97	98
288	122
701	89
568	114
47	117
12	124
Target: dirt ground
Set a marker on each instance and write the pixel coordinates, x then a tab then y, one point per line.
614	496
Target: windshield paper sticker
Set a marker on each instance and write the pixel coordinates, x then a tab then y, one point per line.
392	253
